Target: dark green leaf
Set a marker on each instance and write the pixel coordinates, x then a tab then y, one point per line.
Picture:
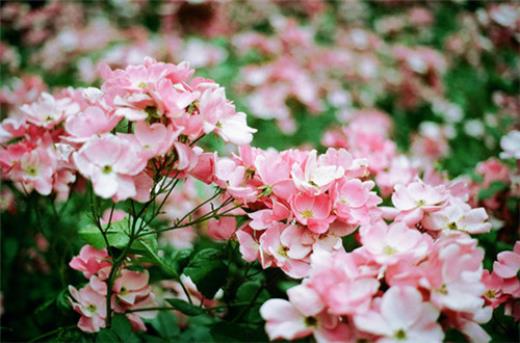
207	270
232	332
166	325
62	300
107	336
184	307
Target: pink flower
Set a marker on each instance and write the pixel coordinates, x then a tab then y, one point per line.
234	129
400	171
36	169
181	238
154	140
90	260
341	281
274	249
48	111
233	177
274	172
508	263
458	215
301	316
93	120
313	177
402	316
390	244
284	321
262	219
110	163
453	273
494	285
416	198
92	307
249	247
222	228
313	211
204	170
132	286
354	202
351	194
173	98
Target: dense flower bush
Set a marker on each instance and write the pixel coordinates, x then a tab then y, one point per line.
371	193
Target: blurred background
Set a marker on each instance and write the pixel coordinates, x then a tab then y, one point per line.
444	74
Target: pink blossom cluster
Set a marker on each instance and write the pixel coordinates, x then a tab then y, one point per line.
416	253
403	282
296	201
130	291
143	121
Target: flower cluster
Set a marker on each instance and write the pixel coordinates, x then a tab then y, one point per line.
296	200
142	123
130	291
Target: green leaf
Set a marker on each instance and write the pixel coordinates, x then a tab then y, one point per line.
494	188
116	238
247	291
148	246
166	325
198	331
208	271
62	300
184	307
122	327
121	331
107	336
179	260
233	332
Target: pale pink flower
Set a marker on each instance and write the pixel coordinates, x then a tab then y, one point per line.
132	286
90	260
48	111
415	199
233	177
402	317
93	120
234	129
222	228
283	320
110	163
249	247
390	244
341	281
92	307
508	263
453	273
301	316
400	171
275	251
313	177
313	211
458	215
154	140
35	169
354	202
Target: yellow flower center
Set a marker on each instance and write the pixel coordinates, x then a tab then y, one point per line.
307	214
